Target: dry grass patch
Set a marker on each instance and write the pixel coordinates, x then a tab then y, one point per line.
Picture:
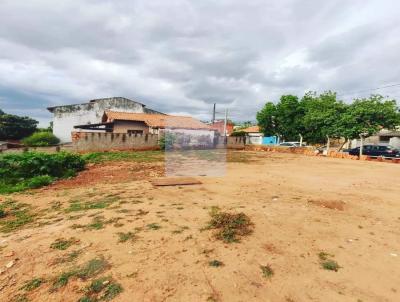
329	204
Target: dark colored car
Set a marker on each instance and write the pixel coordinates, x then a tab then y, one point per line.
373	150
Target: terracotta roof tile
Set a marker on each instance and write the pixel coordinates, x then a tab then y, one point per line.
156	120
252	129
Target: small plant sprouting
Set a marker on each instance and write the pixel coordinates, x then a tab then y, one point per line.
327	263
330	265
267	271
324	256
124	237
215	263
153	226
102	289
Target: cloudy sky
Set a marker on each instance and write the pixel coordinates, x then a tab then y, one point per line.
181	56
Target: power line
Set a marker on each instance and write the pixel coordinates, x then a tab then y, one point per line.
371	89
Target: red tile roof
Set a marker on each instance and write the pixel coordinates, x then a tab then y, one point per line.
156	120
252	129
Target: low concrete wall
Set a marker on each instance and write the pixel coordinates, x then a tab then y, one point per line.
93	142
51	149
311	152
231	142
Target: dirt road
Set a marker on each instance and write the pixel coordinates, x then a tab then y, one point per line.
154	242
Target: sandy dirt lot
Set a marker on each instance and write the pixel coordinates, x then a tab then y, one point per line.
153	241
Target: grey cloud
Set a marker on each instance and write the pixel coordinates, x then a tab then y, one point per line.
181	56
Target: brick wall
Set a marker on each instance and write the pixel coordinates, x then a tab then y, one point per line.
97	141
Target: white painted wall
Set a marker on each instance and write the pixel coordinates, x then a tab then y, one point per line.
66	117
255	138
395	142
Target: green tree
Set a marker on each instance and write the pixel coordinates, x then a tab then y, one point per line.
283	119
288	118
321	116
266	119
16	127
367	116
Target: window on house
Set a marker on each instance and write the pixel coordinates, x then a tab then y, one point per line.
135	131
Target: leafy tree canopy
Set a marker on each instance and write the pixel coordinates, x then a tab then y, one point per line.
317	117
321	116
369	115
16	127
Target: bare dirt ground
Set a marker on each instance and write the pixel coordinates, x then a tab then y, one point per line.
303	209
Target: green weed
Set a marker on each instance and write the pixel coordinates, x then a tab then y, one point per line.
78	205
102	289
91	269
70	257
215	263
330	265
14	215
63	244
153	226
327	263
32	284
137	156
267	271
229	227
124	237
34	169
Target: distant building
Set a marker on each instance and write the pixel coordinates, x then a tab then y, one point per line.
219	126
142	123
187	131
256	137
384	137
67	116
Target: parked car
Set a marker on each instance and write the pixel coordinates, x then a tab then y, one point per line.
374	150
292	144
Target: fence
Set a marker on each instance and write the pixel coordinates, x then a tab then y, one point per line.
98	141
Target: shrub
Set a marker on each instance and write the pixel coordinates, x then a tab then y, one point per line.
229	227
167	141
33	169
41	139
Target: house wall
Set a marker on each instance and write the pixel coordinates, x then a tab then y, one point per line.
372	140
219	126
124	126
395	142
66	117
95	142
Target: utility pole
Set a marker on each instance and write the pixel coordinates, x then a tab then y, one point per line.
361	144
225	121
213	116
328	145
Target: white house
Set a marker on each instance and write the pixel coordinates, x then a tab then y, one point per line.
67	116
255	136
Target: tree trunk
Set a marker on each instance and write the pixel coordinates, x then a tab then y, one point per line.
361	145
341	147
328	145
